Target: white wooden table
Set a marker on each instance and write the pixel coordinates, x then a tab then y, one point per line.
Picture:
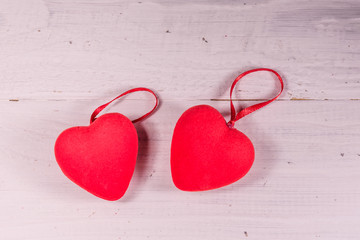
60	59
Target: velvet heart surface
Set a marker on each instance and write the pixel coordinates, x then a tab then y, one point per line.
206	152
101	157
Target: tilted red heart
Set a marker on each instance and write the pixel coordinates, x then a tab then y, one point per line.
101	157
206	153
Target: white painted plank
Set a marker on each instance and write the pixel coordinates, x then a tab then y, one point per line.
184	50
303	184
299	187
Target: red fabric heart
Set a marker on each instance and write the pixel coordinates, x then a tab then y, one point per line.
206	153
101	157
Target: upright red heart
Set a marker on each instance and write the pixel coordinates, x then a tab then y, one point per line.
206	153
101	157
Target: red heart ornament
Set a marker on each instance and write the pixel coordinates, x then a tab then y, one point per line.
101	157
207	152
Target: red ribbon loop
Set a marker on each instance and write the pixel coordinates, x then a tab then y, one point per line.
99	109
235	117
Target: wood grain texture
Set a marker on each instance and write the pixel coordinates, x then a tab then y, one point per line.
81	49
62	59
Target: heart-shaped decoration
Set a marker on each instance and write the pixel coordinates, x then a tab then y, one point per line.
99	158
206	153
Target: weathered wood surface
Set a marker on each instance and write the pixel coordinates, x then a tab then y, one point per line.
62	59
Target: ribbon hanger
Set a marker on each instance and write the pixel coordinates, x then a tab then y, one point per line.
99	109
242	113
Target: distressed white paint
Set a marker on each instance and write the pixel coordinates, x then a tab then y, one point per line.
62	59
80	49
